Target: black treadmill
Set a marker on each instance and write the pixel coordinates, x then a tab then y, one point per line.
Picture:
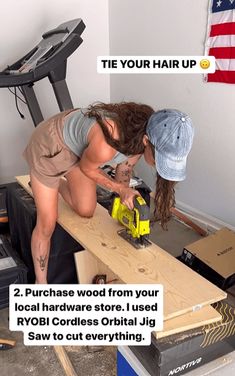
47	59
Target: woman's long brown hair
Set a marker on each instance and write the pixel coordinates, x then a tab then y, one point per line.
164	200
131	120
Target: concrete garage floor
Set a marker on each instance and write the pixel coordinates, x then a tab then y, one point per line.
42	361
96	361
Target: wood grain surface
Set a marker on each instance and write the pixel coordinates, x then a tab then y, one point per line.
184	289
88	266
206	315
64	360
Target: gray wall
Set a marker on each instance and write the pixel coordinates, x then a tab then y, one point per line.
160	27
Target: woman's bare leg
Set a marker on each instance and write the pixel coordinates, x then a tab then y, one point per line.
65	192
46	201
79	192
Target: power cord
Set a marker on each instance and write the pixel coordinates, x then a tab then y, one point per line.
17	97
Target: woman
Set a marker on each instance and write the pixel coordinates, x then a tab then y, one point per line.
75	144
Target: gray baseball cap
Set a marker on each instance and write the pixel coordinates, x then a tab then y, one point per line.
171	133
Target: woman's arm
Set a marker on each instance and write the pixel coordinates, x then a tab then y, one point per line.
97	154
124	170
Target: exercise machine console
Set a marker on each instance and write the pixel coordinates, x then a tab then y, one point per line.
47	59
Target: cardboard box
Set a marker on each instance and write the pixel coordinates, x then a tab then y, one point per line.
213	257
180	353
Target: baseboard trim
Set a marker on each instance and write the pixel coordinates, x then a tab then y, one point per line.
204	220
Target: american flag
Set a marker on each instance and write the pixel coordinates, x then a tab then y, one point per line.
221	40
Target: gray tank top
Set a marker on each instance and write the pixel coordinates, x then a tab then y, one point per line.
75	132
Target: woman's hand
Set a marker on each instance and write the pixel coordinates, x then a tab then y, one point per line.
127	196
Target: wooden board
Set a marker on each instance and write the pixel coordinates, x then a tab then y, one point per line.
64	360
206	315
88	266
184	289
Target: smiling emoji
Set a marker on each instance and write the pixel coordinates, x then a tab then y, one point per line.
205	63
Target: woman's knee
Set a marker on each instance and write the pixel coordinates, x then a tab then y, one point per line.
84	211
45	228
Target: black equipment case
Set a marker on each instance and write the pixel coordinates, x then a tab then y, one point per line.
12	270
22	219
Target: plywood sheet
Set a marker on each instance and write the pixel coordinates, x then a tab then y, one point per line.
206	315
184	289
88	266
